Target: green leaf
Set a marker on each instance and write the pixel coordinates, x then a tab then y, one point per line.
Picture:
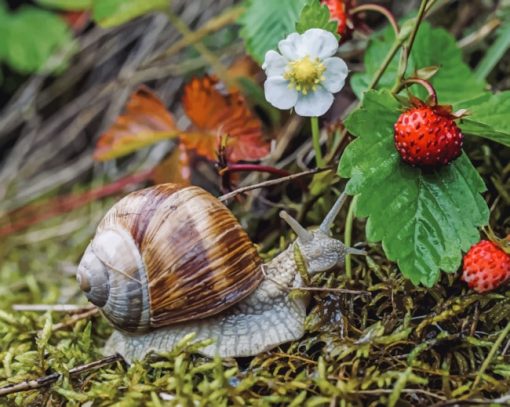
316	15
68	5
423	218
24	48
454	81
111	13
265	23
488	117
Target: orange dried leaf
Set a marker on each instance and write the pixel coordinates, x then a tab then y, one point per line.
215	113
145	121
175	168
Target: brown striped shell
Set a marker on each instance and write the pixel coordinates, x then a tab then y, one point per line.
165	255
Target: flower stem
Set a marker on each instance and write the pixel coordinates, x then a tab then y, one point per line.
379	9
316	141
348	237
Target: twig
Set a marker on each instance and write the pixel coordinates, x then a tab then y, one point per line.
52	378
271	182
235	167
55	307
75	318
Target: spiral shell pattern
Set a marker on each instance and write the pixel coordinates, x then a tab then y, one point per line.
194	259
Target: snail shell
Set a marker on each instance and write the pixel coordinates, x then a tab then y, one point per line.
165	255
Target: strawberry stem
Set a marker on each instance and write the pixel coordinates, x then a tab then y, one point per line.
378	9
427	85
406	49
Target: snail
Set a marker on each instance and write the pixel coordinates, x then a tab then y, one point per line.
170	260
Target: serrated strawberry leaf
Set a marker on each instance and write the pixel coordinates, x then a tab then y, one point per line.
488	117
424	219
264	23
316	15
453	82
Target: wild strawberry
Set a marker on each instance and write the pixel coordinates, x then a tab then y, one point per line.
339	11
428	136
486	266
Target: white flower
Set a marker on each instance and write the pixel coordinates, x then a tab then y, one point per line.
305	74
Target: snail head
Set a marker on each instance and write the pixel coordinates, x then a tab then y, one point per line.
321	251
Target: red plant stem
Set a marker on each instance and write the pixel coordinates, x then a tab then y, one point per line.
253	167
426	84
379	9
36	213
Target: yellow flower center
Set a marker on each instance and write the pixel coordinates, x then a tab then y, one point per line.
305	74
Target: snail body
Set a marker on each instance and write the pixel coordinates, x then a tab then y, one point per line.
167	261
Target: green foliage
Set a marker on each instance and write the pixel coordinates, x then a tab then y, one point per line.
488	117
454	81
265	23
316	15
69	5
423	218
23	47
110	13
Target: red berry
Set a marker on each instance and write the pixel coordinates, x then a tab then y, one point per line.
428	136
339	11
486	266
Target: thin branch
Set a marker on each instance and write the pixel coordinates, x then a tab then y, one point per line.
271	182
52	378
75	318
53	307
235	167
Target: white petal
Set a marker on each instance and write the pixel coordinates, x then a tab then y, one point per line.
314	104
319	43
290	47
274	64
335	74
279	94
